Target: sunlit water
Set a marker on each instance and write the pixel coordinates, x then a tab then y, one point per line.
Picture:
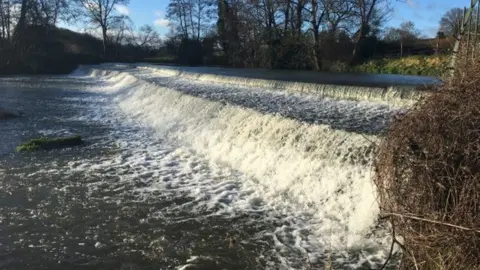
179	173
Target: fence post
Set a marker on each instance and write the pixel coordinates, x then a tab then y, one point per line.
475	42
459	36
469	34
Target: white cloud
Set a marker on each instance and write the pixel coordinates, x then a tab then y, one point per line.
122	9
160	20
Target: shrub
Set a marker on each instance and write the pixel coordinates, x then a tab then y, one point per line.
428	176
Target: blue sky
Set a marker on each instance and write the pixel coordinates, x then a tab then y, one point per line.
424	13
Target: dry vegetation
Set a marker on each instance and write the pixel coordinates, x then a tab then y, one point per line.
428	176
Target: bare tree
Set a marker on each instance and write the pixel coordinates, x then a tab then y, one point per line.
120	31
22	20
451	22
338	12
177	12
284	33
5	19
407	32
366	11
147	37
191	17
101	13
48	12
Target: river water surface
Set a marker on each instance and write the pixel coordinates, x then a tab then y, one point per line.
184	174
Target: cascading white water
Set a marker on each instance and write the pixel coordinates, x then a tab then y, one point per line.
297	166
398	95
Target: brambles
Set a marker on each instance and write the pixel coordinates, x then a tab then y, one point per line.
428	176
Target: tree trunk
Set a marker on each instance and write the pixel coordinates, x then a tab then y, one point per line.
298	20
21	21
362	33
287	17
315	65
8	20
401	48
104	35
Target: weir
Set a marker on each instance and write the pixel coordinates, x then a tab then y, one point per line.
308	147
355	86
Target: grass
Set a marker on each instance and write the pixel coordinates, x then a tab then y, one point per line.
411	65
50	143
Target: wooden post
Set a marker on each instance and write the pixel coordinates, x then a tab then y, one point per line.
476	33
469	34
401	48
456	47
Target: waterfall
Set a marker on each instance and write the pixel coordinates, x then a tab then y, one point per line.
399	90
304	144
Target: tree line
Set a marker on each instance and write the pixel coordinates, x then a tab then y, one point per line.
296	34
300	34
289	34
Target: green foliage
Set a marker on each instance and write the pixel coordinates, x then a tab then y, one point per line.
49	143
412	65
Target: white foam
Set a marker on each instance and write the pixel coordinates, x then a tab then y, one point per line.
316	178
405	95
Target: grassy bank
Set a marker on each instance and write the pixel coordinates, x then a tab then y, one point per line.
411	65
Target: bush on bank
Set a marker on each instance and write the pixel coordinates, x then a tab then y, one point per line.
428	176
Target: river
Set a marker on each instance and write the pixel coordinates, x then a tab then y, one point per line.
185	173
